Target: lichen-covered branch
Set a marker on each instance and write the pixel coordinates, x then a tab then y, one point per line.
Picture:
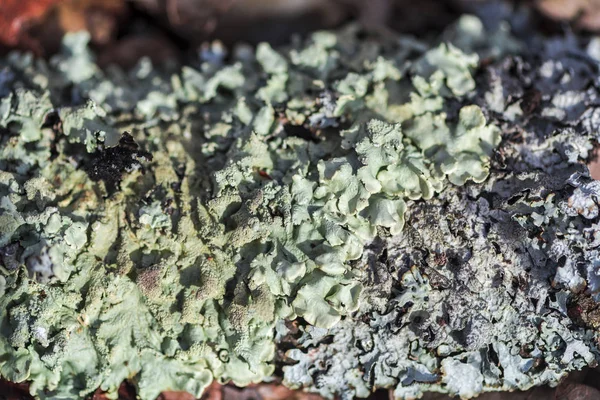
353	211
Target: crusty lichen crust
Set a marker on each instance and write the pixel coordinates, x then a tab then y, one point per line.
176	227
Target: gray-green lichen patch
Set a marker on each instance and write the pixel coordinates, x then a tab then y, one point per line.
489	287
162	226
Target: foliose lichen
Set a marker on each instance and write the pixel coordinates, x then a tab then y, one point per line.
167	227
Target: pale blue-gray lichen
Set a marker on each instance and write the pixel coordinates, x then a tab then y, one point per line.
341	183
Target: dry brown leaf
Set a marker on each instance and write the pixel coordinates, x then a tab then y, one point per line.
16	16
280	392
585	14
99	17
176	396
38	25
562	9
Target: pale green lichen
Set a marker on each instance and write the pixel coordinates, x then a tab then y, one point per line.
270	178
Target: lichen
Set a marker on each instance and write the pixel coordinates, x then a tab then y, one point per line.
163	226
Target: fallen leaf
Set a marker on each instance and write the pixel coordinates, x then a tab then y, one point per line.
16	16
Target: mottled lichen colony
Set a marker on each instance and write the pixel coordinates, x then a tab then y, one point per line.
347	197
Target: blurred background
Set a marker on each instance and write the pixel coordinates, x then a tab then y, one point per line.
124	31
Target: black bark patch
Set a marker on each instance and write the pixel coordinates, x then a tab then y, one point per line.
109	164
301	132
